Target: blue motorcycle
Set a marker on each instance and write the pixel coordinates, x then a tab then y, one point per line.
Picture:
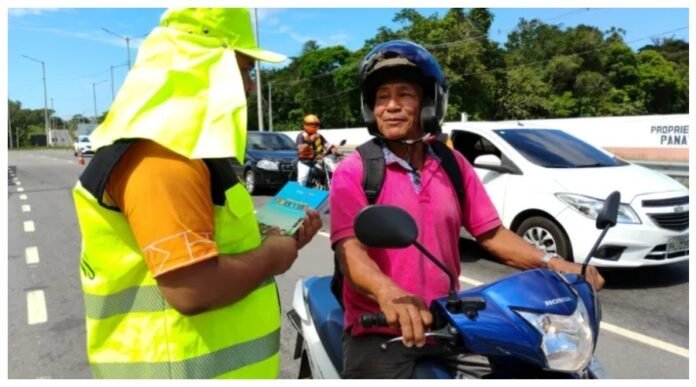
533	324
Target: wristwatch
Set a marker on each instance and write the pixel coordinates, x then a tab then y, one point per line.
546	258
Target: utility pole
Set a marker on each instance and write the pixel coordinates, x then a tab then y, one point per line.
113	94
53	112
270	108
259	100
9	125
94	94
127	39
43	69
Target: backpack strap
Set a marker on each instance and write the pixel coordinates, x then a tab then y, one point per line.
449	163
96	174
373	168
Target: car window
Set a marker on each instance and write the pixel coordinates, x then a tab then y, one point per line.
472	145
556	149
269	141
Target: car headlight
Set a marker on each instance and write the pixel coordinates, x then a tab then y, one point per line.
590	207
565	340
267	165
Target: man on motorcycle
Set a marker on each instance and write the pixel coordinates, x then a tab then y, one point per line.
404	101
311	147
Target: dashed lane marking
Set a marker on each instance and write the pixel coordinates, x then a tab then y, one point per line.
29	226
32	255
36	307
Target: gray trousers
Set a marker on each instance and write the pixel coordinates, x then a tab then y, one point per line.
363	359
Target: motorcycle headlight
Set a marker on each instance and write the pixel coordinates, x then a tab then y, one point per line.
590	207
267	165
565	340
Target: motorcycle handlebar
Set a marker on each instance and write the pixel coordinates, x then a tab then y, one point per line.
369	320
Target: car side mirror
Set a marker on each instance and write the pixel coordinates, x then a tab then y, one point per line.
491	162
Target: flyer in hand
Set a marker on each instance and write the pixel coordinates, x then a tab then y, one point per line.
286	210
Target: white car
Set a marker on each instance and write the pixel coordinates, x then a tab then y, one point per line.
82	145
548	186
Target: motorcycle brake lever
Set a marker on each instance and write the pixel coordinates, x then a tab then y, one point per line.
445	334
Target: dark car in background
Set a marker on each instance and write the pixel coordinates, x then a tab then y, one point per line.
270	161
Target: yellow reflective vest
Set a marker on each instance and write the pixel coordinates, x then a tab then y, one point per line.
131	330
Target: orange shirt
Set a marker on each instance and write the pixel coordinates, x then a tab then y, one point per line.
166	199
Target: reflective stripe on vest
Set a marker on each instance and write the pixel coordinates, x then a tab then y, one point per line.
132	332
202	367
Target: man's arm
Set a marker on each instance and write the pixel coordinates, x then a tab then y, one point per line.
401	309
226	279
516	252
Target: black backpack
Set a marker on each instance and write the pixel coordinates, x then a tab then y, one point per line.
373	178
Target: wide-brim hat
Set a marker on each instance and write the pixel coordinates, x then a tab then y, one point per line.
185	90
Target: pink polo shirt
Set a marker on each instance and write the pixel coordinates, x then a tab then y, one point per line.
437	213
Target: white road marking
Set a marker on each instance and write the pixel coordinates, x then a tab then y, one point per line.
663	345
32	255
26	208
647	340
22	197
19	183
36	307
29	226
20	189
324	234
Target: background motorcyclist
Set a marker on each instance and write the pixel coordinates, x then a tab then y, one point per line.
404	101
311	147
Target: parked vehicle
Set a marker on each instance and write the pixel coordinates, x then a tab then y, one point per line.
533	324
82	145
548	187
270	161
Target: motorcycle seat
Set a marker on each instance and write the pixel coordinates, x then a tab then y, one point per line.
328	318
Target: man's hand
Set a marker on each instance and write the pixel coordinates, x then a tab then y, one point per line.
406	311
310	226
283	251
591	273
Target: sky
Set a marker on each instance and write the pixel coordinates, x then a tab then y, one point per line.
80	56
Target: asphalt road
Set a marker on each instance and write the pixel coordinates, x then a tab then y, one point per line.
645	332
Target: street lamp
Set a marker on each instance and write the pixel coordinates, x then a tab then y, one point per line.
113	94
43	69
127	39
259	101
94	93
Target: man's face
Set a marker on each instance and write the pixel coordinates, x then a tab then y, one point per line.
246	65
397	109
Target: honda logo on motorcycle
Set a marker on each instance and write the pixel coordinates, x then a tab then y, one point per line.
556	301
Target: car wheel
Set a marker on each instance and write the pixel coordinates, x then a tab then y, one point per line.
546	235
250	181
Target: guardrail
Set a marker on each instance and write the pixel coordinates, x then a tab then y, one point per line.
667	167
679	171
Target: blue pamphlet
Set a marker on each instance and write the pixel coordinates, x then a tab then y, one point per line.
286	210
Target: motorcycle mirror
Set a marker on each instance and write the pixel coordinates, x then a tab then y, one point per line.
343	142
606	219
610	211
385	227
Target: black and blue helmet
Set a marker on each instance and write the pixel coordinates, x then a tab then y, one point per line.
404	60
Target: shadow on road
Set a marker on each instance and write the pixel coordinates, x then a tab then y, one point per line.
647	277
